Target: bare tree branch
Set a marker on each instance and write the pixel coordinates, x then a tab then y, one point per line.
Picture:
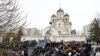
10	17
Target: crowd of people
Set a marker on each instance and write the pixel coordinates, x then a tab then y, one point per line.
22	50
65	49
56	49
14	52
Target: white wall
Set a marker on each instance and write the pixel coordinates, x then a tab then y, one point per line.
71	38
25	38
55	38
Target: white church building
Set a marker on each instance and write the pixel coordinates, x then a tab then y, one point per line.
59	29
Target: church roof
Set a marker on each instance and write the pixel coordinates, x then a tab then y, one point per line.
60	10
48	32
53	15
66	14
70	23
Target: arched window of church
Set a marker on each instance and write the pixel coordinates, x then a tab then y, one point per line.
66	19
67	29
53	20
59	32
63	19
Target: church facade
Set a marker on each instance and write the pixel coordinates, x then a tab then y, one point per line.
59	25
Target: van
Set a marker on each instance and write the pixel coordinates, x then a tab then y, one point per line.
41	45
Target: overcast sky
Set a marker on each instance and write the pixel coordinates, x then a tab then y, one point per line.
81	12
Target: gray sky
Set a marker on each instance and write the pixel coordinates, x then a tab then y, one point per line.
81	12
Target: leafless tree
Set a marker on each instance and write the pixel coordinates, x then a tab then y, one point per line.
10	16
